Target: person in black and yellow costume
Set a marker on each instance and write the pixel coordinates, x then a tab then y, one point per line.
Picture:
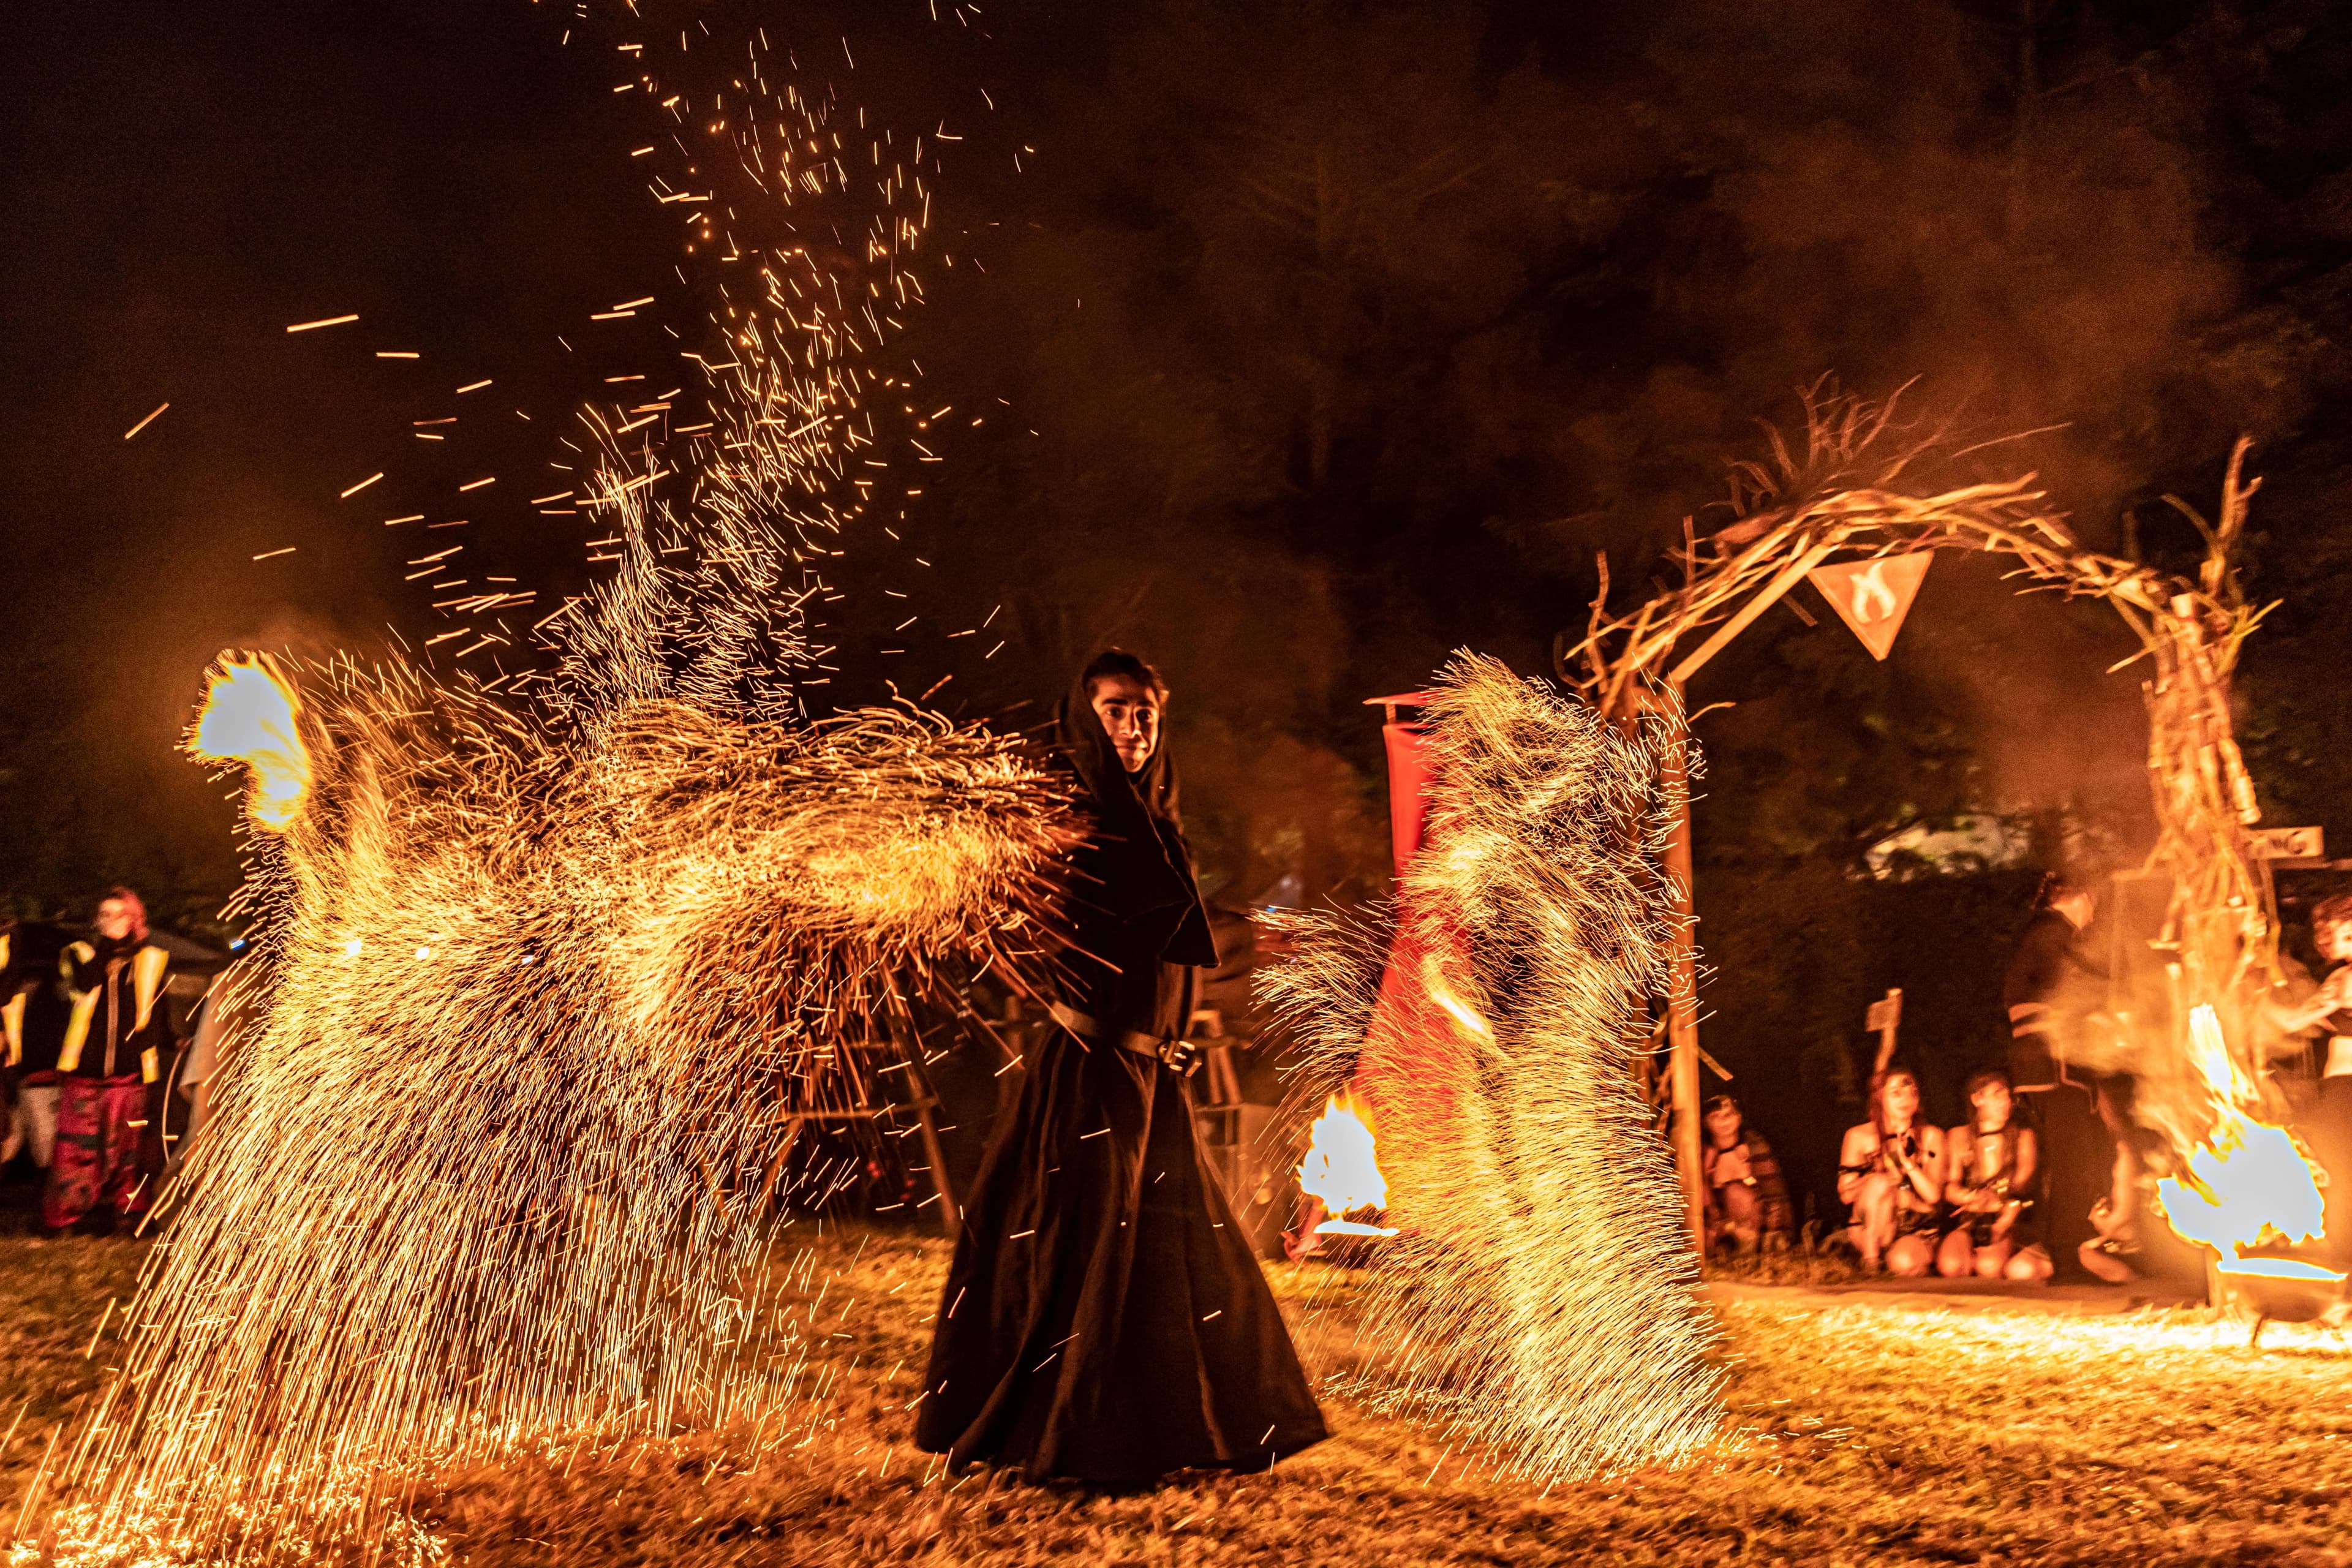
118	1045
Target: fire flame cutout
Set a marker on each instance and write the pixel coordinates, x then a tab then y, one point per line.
1872	599
2247	1184
1341	1171
253	715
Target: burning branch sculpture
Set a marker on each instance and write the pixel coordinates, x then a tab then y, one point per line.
1844	497
1537	1295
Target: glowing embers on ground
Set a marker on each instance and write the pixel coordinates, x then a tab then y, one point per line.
1342	1175
2247	1191
253	715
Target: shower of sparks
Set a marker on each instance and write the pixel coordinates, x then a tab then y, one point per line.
1539	1296
545	967
538	1007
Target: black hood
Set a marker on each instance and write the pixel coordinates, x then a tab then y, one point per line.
1146	869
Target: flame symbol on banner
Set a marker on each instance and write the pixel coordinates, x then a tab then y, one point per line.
1872	599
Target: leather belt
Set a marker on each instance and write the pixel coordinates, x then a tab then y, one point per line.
1181	1057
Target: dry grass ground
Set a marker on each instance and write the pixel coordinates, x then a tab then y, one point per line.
1867	1434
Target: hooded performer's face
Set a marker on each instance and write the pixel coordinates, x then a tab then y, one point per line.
1129	711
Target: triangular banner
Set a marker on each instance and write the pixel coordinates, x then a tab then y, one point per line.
1873	596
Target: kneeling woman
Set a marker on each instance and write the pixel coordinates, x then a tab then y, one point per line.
1105	1320
1994	1169
1891	1170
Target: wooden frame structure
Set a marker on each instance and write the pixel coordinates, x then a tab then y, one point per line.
1844	497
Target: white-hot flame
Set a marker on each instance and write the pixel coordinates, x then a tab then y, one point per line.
1340	1169
252	716
2247	1184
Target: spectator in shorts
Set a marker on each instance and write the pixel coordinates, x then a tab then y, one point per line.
1891	1171
1746	1201
1991	1179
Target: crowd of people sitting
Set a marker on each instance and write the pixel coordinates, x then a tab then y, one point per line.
2044	1179
1957	1202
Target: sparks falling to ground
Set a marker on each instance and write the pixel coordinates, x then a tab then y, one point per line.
1538	1295
534	1006
538	983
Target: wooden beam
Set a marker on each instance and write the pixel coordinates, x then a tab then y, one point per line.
1682	1004
1787	578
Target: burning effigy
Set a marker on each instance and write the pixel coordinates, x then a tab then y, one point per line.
1536	1294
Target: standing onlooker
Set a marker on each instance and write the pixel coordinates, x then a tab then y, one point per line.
2327	1124
32	1026
12	1025
118	1042
2046	986
229	1011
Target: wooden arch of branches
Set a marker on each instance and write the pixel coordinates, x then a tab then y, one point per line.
1844	497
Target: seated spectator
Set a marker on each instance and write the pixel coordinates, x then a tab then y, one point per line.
1993	1173
1891	1171
1745	1199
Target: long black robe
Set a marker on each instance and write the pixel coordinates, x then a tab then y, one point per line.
1105	1320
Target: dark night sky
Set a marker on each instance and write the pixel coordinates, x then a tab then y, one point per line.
187	183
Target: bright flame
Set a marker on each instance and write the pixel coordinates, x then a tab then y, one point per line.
1340	1170
2247	1183
251	716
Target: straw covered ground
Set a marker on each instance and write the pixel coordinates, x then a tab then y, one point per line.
1866	1433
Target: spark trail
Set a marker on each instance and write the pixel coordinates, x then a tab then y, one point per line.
536	981
1537	1298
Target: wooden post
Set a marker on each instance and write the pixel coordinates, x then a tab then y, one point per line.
1682	1004
951	1218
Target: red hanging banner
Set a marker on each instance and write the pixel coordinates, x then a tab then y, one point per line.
1873	596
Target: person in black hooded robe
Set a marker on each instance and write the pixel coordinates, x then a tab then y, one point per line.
1105	1320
